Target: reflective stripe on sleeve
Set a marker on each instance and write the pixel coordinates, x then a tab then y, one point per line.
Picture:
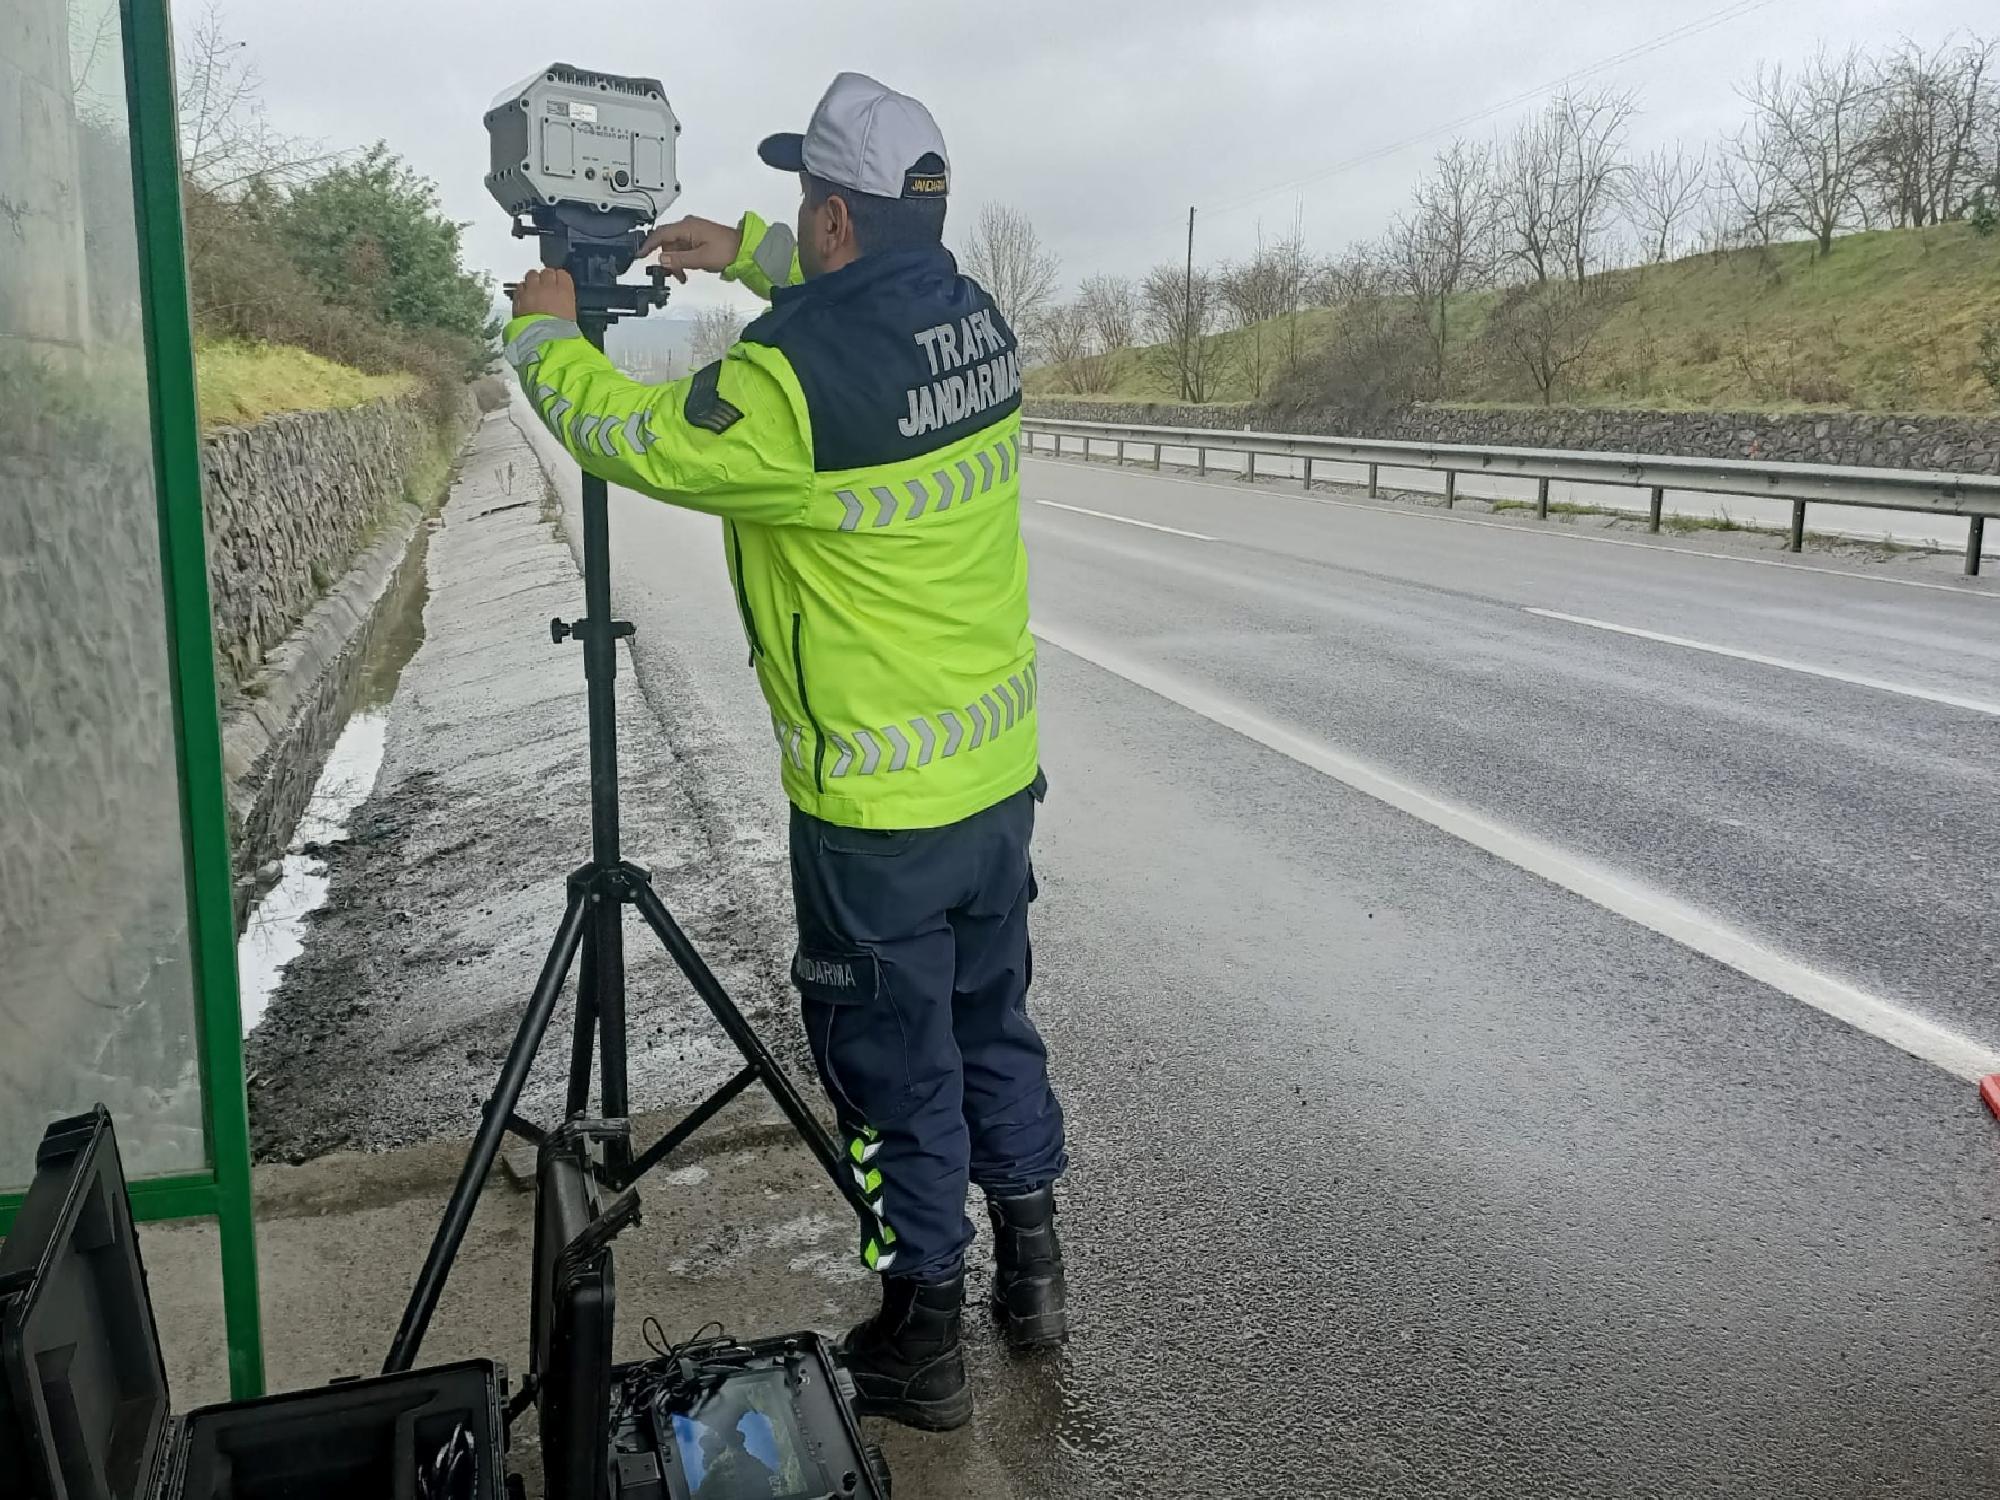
525	347
773	254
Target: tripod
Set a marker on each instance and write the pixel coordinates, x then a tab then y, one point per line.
591	934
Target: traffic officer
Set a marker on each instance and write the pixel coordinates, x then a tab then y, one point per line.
861	445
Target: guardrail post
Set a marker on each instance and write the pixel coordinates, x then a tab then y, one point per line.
1306	469
1450	488
1653	511
1156	455
1250	466
1374	487
1542	499
1797	543
1121	451
1975	538
1201	461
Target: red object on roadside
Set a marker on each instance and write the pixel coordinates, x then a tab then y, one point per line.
1989	1093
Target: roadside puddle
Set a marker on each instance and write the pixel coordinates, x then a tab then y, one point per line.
274	934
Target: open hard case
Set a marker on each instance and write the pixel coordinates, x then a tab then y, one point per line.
84	1407
721	1420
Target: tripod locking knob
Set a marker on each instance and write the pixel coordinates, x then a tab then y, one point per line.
560	630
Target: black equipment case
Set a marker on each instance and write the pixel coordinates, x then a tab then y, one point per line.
718	1420
84	1406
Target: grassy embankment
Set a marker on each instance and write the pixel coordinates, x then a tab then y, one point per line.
1890	321
242	383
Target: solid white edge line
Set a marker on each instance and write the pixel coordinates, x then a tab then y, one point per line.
1105	515
1852	679
1537	531
1621	895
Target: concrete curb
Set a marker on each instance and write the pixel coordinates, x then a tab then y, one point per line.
344	1181
276	737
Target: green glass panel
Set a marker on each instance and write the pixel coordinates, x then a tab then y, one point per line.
97	985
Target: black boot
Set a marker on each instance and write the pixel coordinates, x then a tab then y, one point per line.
906	1361
1029	1297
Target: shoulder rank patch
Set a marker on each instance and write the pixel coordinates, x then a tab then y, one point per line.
705	406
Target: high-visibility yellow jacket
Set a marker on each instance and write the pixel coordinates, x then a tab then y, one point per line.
862	445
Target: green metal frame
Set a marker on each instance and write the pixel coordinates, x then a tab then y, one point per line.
223	1191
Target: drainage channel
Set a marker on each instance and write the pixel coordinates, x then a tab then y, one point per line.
275	932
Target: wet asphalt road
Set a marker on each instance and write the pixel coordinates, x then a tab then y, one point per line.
1398	1170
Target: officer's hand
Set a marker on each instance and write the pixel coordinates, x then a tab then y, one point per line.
694	245
546	291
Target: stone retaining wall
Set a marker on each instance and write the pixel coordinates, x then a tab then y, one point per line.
1962	445
292	502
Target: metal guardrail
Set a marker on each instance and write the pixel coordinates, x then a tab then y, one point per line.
1926	492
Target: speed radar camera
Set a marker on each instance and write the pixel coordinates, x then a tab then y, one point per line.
595	149
584	162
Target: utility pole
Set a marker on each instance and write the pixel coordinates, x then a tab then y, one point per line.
1187	311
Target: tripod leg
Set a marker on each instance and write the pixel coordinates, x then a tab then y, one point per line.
583	1037
608	922
486	1143
803	1120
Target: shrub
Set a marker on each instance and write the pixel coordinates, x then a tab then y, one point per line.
1985	219
1374	366
246	286
1987	361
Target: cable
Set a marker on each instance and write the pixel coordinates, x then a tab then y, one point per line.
674	1368
1732	12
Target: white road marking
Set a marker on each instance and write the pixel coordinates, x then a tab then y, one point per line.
1539	530
1105	515
1620	894
1853	679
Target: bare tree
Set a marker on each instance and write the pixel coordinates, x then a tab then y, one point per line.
1748	191
1373	364
1986	146
1663	193
1559	181
716	330
1529	203
1359	273
1809	134
93	64
1256	294
1547	330
1293	269
1112	305
228	142
1445	244
1108	310
1932	107
1178	314
1590	132
1069	341
1006	256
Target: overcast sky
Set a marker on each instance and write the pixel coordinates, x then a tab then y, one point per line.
1102	121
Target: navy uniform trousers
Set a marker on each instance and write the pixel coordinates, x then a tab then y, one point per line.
913	968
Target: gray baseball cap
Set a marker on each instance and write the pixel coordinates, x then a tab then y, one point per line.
867	137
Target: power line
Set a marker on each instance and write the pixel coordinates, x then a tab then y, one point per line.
1728	13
